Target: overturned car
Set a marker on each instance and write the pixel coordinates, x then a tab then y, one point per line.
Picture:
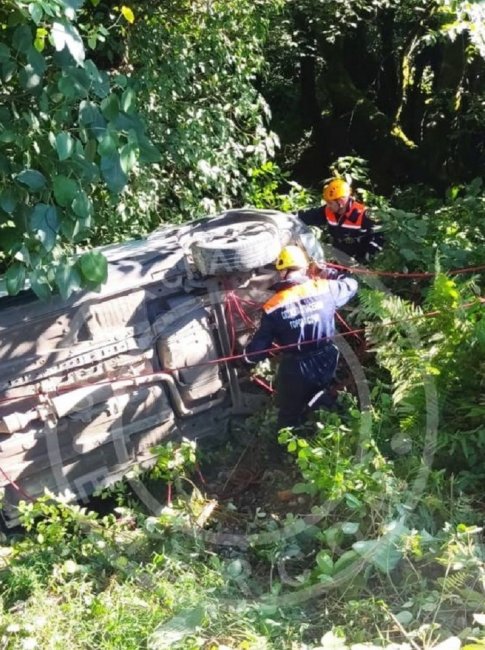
90	384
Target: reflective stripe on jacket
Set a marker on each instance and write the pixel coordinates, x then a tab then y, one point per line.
351	220
300	312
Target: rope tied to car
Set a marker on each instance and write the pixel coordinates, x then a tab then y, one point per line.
399	274
241	356
227	358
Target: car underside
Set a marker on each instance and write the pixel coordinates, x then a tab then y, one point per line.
91	384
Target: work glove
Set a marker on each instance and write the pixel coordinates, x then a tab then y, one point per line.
316	269
321	270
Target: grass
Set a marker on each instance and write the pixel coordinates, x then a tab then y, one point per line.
126	580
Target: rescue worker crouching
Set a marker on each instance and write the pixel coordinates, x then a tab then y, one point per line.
300	315
350	227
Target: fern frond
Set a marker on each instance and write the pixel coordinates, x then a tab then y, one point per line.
453	582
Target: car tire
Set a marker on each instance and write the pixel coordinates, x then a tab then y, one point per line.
240	246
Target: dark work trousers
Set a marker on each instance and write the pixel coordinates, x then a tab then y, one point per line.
301	375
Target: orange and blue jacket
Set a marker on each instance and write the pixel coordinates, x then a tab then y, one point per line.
354	225
300	314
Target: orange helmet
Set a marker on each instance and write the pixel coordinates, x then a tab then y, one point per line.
336	189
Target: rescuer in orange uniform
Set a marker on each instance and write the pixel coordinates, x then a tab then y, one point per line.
351	229
299	317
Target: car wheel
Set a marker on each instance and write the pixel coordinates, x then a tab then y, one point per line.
236	247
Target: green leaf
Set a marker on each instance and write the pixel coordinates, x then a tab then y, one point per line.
34	180
94	267
108	144
64	145
382	553
333	536
99	79
40	284
404	617
71	228
8	136
68	280
110	106
15	278
35	11
37	61
73	5
128	156
4	53
90	115
44	221
408	254
112	172
65	190
148	152
82	205
324	562
300	488
90	150
64	34
128	101
28	78
349	527
40	36
347	559
176	629
22	38
8	70
70	87
22	254
87	170
8	200
4	164
352	501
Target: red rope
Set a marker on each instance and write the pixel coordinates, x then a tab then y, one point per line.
16	486
232	357
236	357
244	317
343	322
395	274
263	384
230	318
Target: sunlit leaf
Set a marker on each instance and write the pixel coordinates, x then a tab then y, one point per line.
128	101
64	145
128	156
128	14
66	35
